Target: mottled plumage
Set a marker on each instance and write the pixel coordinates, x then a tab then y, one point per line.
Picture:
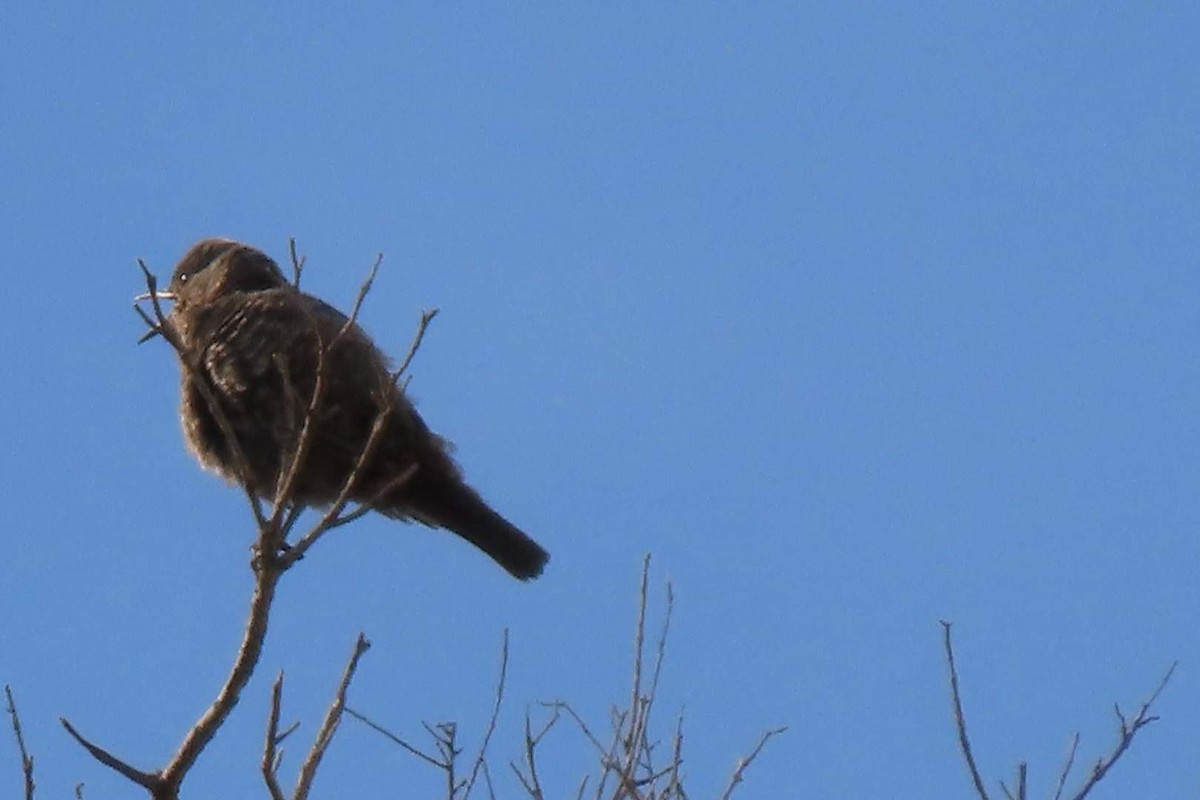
257	341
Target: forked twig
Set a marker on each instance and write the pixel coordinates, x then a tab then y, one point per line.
1127	730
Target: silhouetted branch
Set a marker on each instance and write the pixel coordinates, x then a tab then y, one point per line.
1066	770
1127	730
491	728
272	755
629	764
445	736
329	726
148	780
960	720
26	759
743	763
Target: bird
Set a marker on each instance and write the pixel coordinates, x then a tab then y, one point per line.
258	344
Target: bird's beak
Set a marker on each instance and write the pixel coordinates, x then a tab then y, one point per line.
160	295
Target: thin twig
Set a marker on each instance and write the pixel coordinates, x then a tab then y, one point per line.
426	318
26	759
491	728
673	786
271	754
329	726
533	785
1127	730
394	738
1066	770
147	780
297	262
745	762
960	721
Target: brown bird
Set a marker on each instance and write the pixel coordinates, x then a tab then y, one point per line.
257	342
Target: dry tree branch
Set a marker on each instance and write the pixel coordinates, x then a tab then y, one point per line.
532	784
445	739
147	780
1127	730
960	720
1066	770
491	728
393	737
743	763
329	726
26	759
1022	784
272	756
627	763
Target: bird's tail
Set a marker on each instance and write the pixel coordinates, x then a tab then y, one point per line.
453	505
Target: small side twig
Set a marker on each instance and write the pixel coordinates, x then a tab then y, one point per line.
297	262
745	762
1126	731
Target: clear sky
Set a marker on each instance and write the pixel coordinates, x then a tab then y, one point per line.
855	317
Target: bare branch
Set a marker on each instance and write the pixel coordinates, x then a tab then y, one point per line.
491	728
271	755
147	780
267	574
1066	770
394	738
426	318
743	763
26	759
960	721
333	718
532	783
1128	729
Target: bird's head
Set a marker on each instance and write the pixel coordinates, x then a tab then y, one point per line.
214	268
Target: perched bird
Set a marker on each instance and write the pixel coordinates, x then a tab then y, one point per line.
257	342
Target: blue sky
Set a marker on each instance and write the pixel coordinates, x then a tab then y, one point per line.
855	317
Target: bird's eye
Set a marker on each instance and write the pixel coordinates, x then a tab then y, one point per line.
184	277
